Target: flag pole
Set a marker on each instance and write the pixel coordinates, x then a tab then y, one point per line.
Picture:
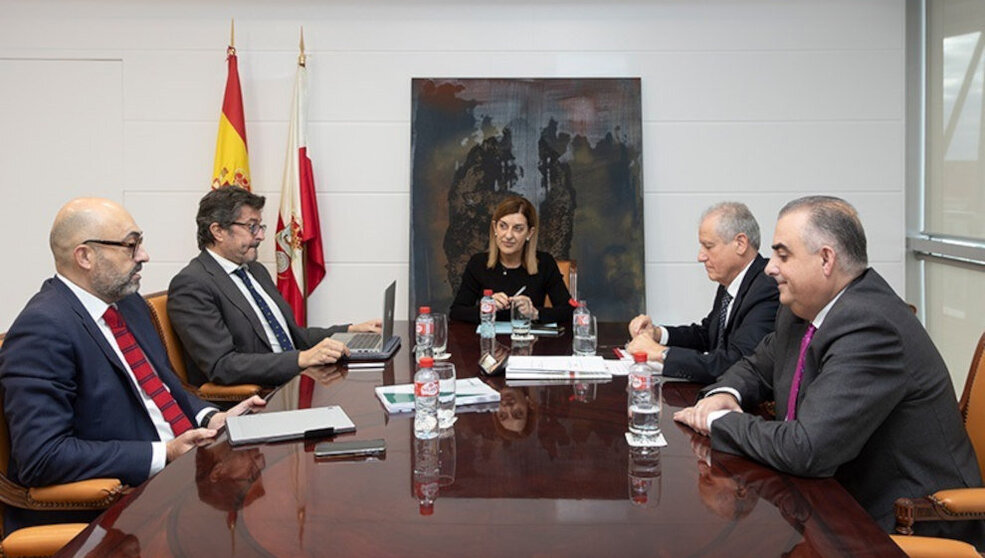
232	37
302	59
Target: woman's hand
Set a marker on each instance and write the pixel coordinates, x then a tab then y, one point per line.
502	301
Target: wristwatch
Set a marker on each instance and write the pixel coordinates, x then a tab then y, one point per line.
208	416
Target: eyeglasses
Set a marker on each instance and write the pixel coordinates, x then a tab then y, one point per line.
254	228
133	245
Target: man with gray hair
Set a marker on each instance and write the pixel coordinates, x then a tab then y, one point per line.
861	392
741	315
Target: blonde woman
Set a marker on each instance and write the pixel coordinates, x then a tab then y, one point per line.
511	264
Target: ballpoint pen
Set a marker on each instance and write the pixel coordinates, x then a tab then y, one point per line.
518	293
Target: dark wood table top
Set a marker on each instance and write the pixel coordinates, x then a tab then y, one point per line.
550	474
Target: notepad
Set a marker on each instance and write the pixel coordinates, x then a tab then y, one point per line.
317	422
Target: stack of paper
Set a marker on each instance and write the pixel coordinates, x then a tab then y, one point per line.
468	391
538	329
556	367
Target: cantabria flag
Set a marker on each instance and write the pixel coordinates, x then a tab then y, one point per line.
300	262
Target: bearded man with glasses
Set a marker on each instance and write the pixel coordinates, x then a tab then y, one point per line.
88	389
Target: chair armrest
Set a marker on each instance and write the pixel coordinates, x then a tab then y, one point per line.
87	494
216	392
961	500
945	505
933	547
43	540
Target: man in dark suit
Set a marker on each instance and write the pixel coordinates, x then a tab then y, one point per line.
87	387
744	308
235	326
861	392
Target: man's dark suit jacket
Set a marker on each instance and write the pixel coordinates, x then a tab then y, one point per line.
223	338
695	355
72	409
875	409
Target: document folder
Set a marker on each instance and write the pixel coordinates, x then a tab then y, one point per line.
288	425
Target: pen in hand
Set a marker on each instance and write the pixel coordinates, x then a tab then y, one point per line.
518	293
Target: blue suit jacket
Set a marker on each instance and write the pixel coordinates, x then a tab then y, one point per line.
72	410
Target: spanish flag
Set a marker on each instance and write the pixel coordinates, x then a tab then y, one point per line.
232	163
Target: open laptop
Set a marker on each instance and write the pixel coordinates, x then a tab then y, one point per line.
374	346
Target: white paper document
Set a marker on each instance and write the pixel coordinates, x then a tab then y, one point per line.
556	367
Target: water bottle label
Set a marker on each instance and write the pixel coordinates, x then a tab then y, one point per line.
425	328
582	320
487	308
426	389
641	382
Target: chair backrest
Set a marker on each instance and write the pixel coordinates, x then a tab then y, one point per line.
972	404
158	304
565	267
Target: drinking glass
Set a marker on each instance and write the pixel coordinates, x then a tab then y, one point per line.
440	336
586	338
446	393
521	312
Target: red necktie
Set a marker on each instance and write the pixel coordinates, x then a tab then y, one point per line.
799	374
144	372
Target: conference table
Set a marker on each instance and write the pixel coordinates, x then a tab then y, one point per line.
547	471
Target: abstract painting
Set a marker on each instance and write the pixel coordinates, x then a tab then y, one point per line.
572	146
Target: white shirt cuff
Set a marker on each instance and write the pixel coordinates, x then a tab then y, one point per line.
715	415
159	457
731	391
664	336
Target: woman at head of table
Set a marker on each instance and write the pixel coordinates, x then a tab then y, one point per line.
513	263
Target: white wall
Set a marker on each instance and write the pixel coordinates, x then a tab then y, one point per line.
760	101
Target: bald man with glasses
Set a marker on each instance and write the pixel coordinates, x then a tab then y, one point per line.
235	326
88	389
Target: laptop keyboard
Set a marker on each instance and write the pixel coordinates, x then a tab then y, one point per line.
363	341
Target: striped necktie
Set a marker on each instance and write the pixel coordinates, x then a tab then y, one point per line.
147	379
279	333
723	319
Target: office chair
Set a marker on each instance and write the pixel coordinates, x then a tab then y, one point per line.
567	268
45	540
958	504
158	303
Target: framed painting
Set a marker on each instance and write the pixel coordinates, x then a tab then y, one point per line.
572	146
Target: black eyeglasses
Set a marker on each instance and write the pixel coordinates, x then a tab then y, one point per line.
133	245
254	228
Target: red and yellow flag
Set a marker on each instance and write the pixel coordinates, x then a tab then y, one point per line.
300	261
232	162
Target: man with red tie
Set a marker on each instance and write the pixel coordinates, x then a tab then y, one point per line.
861	392
88	390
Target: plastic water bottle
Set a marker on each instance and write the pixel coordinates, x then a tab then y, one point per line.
424	330
644	400
426	390
487	315
584	342
580	318
427	473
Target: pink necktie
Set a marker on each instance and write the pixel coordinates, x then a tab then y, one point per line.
799	374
